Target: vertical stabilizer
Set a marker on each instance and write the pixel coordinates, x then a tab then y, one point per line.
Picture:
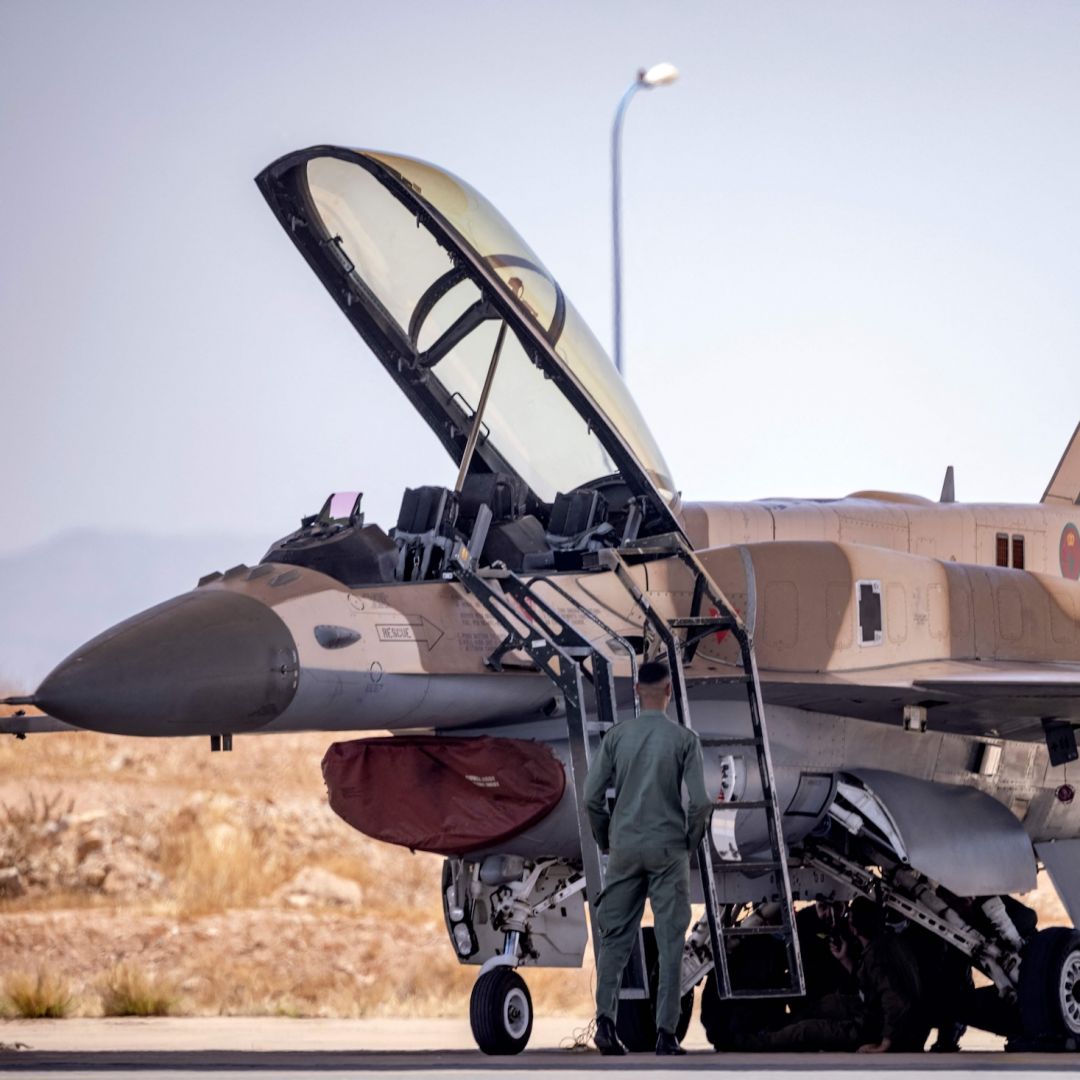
1064	486
948	487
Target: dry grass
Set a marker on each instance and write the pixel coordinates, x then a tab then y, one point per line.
397	884
131	991
32	825
37	811
41	995
216	863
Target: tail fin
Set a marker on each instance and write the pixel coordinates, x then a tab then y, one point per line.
948	487
1064	486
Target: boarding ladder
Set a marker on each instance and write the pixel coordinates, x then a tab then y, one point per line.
572	662
681	638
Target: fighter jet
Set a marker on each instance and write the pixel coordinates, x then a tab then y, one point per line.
886	688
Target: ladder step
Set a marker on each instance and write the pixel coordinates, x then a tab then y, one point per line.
749	931
747	864
745	804
720	622
786	992
746	740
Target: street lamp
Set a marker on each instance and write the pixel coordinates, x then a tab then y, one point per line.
657	75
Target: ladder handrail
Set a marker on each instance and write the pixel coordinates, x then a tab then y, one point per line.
612	634
756	702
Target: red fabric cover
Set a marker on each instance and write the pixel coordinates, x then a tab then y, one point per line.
443	794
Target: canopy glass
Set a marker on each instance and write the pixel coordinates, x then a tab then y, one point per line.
426	282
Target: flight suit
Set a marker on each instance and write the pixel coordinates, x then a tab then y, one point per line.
887	1007
822	972
948	988
650	835
889	985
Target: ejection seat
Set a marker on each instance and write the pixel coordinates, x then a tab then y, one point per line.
513	535
488	515
336	542
425	531
578	520
491	517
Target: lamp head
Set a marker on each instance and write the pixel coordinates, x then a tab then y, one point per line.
658	75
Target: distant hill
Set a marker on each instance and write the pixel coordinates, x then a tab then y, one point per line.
58	594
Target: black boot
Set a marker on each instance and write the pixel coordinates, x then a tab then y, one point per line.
606	1037
948	1039
666	1043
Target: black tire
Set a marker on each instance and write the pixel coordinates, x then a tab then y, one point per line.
636	1020
758	963
501	1012
726	1022
1049	991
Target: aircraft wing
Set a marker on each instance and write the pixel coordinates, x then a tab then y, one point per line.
1059	687
1001	699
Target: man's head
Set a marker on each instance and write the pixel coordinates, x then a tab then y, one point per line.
830	912
866	919
654	685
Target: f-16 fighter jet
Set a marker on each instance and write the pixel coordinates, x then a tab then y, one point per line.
885	688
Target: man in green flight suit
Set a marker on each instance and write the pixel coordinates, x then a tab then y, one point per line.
650	835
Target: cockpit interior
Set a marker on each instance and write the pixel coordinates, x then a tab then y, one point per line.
492	515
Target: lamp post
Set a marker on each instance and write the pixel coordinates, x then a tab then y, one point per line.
657	75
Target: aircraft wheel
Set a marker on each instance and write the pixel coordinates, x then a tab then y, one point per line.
501	1012
726	1021
636	1020
757	963
1049	991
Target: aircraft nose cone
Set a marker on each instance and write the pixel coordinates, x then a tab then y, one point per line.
206	662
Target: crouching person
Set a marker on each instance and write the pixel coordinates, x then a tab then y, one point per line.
885	1015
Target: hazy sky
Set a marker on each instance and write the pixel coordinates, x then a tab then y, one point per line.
852	241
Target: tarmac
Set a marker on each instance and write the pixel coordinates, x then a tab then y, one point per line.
272	1048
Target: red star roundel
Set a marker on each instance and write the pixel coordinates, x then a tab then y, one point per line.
1070	552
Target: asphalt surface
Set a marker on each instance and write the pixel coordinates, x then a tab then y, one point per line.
567	1065
267	1048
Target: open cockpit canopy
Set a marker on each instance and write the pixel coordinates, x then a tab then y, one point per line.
427	270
